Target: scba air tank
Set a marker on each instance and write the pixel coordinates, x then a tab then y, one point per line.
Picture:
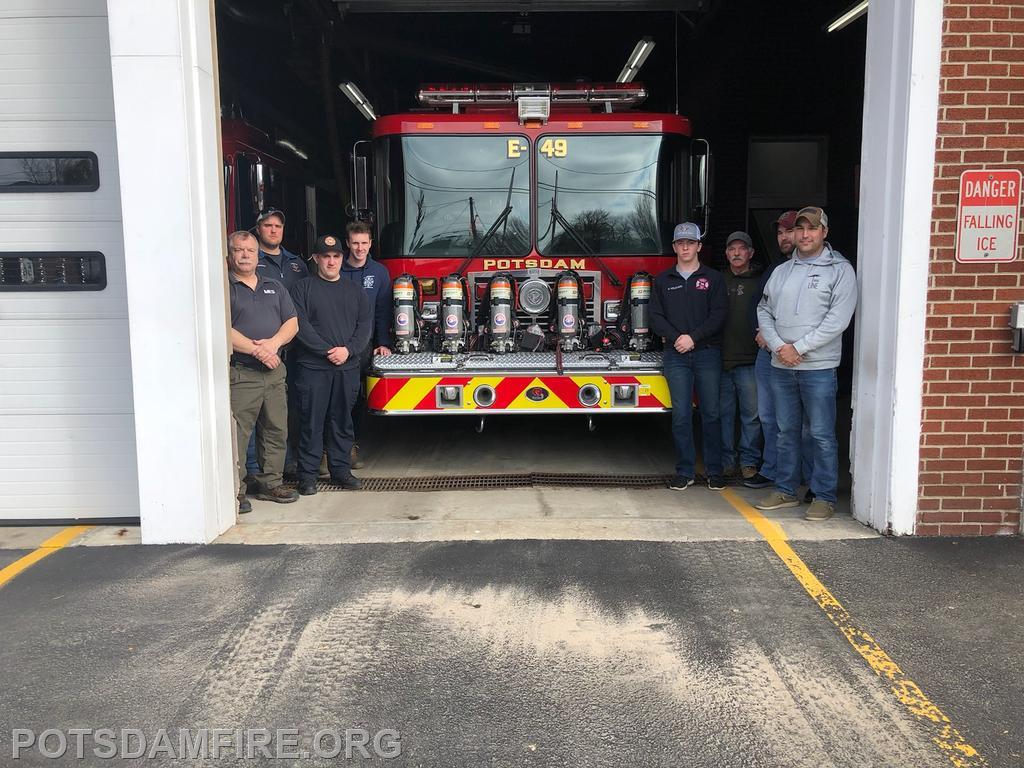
453	314
568	303
638	301
405	293
502	315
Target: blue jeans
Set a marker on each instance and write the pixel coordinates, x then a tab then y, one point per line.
739	384
811	395
703	367
766	411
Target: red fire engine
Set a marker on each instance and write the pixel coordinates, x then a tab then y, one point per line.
522	226
260	173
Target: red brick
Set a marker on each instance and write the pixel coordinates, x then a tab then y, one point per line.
959	70
961	142
984	156
985	97
953	334
941	517
987	40
965	452
966	401
959	529
1013	26
1005	54
985	128
954	12
981	25
926	530
954	83
1001	478
943	438
951	98
989	11
988	69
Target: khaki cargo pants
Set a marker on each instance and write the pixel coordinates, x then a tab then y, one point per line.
260	397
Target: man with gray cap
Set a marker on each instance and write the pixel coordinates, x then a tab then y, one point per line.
739	351
689	306
807	304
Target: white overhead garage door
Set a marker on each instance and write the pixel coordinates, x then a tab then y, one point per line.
67	436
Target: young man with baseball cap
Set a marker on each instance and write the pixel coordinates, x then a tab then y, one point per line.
689	306
335	323
808	302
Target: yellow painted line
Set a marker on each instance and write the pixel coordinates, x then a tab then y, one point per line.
47	548
907	692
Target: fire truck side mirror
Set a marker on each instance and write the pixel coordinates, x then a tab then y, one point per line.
701	177
360	179
259	185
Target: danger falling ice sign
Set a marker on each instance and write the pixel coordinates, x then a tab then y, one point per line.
987	217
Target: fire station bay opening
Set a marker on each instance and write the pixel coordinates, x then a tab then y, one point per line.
776	94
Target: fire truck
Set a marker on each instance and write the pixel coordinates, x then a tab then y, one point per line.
260	173
522	225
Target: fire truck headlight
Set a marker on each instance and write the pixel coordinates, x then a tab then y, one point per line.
429	311
534	296
611	310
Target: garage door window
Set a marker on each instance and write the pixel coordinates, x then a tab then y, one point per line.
49	172
62	271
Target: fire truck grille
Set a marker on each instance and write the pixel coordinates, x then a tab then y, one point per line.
592	314
491	482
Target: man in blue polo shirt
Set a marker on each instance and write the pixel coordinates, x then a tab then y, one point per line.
689	307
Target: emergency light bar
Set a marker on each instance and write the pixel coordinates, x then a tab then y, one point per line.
455	94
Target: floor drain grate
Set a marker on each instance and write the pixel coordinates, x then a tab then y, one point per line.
489	482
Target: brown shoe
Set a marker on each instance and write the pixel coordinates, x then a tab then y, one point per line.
748	472
357	457
820	510
777	500
280	494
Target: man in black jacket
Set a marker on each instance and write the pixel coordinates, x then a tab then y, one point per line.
335	322
688	310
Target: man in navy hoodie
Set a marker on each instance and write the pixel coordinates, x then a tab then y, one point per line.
689	307
372	277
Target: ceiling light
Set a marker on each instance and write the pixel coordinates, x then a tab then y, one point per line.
849	17
636	60
356	97
288	145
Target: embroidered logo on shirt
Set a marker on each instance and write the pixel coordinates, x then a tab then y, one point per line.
296	267
269	290
739	289
368	282
702	284
812	281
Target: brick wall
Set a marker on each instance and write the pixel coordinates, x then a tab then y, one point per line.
973	411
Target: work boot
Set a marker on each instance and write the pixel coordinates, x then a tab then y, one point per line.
748	472
324	473
820	510
307	487
280	494
357	457
244	505
778	500
349	482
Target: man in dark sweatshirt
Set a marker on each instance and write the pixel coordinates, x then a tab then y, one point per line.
739	352
335	322
689	307
372	277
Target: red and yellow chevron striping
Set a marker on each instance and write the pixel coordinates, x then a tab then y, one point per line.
419	394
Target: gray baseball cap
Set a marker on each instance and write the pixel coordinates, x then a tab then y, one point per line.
742	236
686	231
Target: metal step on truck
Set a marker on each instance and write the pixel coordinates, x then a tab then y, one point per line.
522	226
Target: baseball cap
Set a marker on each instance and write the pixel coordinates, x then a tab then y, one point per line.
328	244
786	220
686	231
270	212
742	237
814	215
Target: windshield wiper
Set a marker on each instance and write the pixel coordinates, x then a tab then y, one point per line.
502	218
556	215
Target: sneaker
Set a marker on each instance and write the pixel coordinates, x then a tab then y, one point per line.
820	510
778	500
307	487
280	494
809	497
757	480
244	505
748	472
717	482
681	483
348	482
357	457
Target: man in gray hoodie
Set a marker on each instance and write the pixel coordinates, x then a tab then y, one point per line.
807	304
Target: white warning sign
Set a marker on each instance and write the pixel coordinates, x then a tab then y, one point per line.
988	216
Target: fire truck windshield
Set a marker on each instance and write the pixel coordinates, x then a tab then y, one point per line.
609	194
453	195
